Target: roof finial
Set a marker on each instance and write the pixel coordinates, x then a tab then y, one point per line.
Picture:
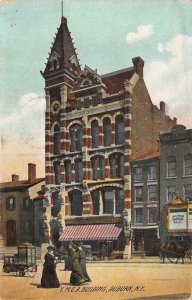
61	8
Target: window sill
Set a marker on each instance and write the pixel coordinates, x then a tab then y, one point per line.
187	176
170	177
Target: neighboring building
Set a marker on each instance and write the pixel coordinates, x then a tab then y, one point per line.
94	124
176	172
16	208
145	204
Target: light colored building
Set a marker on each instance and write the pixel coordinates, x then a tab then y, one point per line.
16	208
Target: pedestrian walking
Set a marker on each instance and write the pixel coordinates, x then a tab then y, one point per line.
103	252
77	277
49	276
68	258
83	263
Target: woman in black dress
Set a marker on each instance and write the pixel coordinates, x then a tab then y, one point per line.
49	276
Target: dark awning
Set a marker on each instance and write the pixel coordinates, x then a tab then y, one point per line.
91	232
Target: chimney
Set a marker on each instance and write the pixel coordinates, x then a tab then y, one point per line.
162	106
31	172
138	65
15	177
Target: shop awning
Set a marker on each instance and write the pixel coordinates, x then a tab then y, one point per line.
91	232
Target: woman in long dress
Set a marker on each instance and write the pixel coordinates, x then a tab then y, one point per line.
49	276
83	263
77	276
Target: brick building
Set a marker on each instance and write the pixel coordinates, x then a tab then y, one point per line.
176	173
94	125
16	208
145	204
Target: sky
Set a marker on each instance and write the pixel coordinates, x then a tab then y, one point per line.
107	35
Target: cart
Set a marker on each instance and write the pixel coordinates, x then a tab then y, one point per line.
175	252
23	263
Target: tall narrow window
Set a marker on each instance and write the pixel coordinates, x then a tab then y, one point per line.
56	138
152	193
107	132
78	171
138	193
138	174
171	192
68	171
102	168
119	201
94	162
95	134
112	161
57	171
10	203
76	203
95	199
171	166
152	215
138	215
120	165
188	164
152	173
76	136
119	130
108	202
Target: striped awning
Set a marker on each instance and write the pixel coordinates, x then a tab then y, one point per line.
91	232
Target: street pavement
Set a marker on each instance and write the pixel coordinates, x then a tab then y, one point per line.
118	280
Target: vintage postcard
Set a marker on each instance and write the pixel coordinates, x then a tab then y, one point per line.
96	149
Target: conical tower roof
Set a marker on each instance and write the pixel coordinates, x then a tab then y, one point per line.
63	54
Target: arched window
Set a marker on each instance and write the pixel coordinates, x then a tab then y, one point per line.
171	166
57	171
68	172
76	136
98	167
76	201
188	164
56	138
107	132
95	134
78	171
119	130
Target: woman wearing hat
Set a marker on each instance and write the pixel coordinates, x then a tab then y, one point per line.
83	263
49	276
77	277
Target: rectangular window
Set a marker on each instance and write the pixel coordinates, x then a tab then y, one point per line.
102	168
188	192
68	171
171	192
138	176
95	100
94	168
108	202
79	104
26	203
119	201
188	167
10	203
152	193
152	215
139	193
87	102
171	168
96	206
152	173
138	215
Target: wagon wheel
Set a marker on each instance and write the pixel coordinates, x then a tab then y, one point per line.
6	269
31	271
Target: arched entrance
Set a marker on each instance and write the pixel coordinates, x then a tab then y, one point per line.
11	233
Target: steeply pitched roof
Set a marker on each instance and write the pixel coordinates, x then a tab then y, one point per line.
64	50
18	185
115	81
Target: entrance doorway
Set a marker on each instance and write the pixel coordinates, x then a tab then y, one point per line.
11	233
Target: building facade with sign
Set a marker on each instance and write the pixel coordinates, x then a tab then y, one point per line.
145	204
94	125
176	177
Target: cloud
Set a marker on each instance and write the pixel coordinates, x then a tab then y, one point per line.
170	79
143	32
22	137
